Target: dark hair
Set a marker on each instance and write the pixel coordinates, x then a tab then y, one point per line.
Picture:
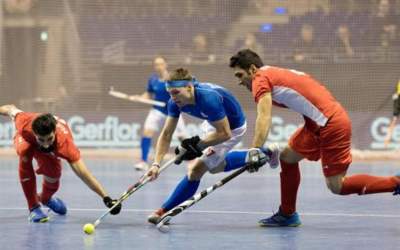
245	58
180	74
44	124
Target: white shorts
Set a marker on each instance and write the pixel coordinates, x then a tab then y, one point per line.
214	155
155	121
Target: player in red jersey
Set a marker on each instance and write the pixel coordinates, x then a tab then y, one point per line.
46	139
326	134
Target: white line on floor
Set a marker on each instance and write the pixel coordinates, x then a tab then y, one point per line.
225	212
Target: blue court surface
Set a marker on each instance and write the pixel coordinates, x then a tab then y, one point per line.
227	219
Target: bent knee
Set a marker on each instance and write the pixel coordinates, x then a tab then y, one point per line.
290	156
335	183
50	179
197	171
335	189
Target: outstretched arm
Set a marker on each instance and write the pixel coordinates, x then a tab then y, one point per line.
162	147
9	110
80	169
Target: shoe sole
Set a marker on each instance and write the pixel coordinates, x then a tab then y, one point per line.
277	225
43	220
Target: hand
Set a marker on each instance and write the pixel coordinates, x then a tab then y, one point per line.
110	203
255	159
191	147
395	96
153	171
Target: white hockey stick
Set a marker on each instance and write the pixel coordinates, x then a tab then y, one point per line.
134	98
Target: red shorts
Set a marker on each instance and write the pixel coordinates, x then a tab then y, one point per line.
331	143
48	165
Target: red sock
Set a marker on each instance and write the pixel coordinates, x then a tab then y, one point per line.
368	184
290	181
48	190
27	179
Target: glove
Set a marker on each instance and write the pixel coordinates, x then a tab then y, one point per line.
255	159
110	202
191	148
395	96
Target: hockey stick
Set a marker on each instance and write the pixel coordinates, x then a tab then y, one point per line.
142	181
161	225
134	98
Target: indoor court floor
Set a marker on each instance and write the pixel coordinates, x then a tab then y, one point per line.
227	219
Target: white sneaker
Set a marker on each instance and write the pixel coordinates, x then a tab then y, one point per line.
142	165
275	152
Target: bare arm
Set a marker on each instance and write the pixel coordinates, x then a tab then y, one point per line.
164	140
222	133
80	169
263	121
9	110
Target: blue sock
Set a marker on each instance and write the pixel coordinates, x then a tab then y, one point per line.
145	144
185	189
235	159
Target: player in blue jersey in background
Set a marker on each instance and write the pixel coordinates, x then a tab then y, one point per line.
157	115
224	126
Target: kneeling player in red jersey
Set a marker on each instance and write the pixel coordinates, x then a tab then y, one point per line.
46	139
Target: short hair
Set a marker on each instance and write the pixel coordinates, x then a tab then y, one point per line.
245	58
44	124
181	74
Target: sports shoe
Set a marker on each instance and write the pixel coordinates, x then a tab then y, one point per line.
142	165
154	218
281	220
57	206
274	155
396	190
37	215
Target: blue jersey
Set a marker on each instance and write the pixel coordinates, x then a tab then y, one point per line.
212	103
156	87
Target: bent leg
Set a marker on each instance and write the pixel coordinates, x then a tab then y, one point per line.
187	187
50	168
27	179
290	179
361	184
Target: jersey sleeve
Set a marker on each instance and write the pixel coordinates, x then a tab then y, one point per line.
22	120
70	151
260	86
213	107
67	148
173	109
150	88
22	147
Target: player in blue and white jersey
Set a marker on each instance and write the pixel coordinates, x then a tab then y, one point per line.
224	126
157	115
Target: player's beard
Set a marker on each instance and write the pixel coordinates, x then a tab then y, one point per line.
47	150
247	81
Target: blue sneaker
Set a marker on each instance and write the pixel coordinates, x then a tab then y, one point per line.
396	190
37	215
57	205
281	220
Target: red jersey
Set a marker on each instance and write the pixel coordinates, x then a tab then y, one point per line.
297	91
64	146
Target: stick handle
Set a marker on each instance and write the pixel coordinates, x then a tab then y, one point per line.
134	98
143	180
